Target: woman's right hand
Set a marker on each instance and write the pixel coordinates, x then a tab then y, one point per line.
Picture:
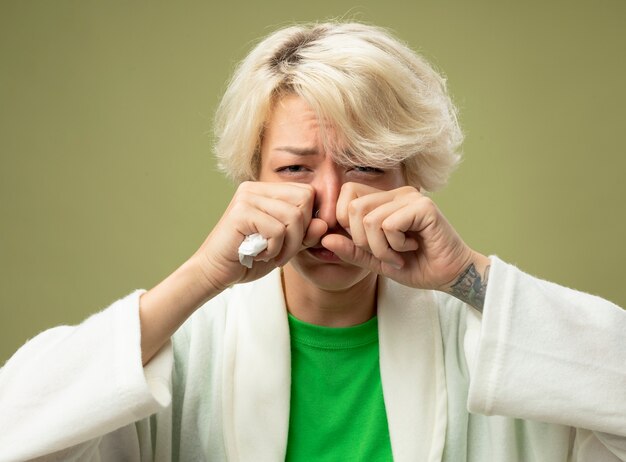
280	212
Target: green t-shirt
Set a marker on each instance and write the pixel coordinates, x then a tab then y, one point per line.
337	410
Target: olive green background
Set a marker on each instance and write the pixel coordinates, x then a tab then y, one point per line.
107	181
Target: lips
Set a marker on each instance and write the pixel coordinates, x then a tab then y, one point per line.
323	254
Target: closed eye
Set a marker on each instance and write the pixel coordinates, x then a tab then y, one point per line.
366	169
291	169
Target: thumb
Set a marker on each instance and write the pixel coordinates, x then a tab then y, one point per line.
314	232
345	249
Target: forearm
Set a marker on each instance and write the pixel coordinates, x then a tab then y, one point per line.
471	285
91	372
164	308
549	353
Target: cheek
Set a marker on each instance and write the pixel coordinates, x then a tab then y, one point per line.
401	177
261	166
265	172
263	175
396	179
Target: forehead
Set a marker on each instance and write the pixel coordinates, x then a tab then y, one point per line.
292	122
295	125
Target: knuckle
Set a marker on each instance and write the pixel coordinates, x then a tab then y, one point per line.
370	222
299	215
272	249
408	193
278	229
387	226
245	186
381	254
355	207
308	189
303	193
410	190
294	214
243	192
348	187
360	242
239	208
426	203
357	239
415	198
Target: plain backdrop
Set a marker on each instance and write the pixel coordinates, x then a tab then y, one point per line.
107	180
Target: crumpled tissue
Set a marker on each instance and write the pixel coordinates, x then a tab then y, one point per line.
251	246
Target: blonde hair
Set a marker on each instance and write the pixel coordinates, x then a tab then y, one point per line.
387	103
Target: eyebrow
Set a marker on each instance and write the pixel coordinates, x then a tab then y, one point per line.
304	151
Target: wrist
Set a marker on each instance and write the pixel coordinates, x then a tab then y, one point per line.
166	306
470	285
201	270
184	290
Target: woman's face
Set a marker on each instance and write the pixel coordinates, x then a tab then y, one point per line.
293	151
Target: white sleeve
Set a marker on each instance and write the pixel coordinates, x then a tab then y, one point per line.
69	385
590	446
548	353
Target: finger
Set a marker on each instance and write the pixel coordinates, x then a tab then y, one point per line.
317	228
357	201
299	194
290	215
267	226
376	237
345	249
295	221
349	192
417	216
358	208
398	239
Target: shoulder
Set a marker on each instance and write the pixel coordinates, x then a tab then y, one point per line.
208	323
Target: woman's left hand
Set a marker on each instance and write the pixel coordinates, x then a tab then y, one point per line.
400	234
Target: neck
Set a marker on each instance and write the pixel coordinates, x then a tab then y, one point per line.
332	308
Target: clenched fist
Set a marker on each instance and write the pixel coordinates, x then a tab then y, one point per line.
400	234
280	212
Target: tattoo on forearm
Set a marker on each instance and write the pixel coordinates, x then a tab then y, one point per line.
471	287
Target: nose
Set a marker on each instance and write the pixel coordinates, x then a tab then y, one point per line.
327	185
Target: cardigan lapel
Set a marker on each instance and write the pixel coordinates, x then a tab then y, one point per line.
412	372
257	372
256	379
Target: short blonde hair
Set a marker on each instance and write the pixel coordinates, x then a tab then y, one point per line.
387	103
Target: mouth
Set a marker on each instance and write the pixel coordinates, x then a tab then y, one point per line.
323	254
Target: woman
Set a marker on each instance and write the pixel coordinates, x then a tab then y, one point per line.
366	327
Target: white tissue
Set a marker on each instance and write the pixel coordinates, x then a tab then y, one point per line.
251	246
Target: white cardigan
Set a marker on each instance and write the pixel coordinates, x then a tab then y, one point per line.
551	356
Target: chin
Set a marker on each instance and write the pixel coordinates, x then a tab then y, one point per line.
333	276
